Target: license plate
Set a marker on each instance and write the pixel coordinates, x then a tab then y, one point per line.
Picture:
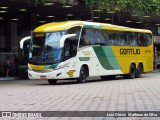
43	77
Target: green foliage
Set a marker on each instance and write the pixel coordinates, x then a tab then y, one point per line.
137	8
134	7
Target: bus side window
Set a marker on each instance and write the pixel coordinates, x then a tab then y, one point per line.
144	39
83	38
132	39
111	39
141	40
70	49
67	48
100	38
149	39
122	40
119	38
73	51
87	37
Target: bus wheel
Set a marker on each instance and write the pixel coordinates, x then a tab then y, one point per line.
132	72
82	75
139	71
52	82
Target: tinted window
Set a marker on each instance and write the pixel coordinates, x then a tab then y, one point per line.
116	38
131	39
87	37
144	39
71	43
100	37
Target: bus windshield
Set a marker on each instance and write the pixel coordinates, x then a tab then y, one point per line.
45	48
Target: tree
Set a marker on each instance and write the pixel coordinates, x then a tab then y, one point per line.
36	2
137	8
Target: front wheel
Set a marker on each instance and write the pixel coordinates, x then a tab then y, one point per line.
82	75
52	82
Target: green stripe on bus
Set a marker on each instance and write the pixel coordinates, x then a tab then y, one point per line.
84	58
106	57
112	58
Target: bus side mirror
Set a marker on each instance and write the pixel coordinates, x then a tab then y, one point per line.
64	38
23	40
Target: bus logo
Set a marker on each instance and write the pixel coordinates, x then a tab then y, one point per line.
70	73
129	51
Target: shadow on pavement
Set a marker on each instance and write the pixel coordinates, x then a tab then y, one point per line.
70	82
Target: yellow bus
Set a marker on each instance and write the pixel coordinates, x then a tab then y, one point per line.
80	49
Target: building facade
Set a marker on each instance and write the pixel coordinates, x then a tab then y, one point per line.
19	17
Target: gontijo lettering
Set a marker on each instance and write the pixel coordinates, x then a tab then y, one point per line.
129	51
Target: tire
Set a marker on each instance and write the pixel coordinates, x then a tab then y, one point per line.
82	75
132	72
52	82
109	77
139	71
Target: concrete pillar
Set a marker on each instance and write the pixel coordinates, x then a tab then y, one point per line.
33	20
14	36
12	39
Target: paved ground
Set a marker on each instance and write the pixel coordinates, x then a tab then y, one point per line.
141	94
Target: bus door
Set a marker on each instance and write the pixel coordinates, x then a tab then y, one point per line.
70	51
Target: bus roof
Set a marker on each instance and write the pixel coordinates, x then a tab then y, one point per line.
58	26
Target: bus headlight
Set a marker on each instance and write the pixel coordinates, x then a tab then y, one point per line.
59	67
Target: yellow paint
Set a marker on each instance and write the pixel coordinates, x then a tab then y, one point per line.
36	67
87	53
57	26
71	73
145	56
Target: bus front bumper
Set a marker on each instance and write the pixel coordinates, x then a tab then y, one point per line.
56	74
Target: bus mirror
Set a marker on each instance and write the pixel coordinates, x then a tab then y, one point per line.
23	40
64	38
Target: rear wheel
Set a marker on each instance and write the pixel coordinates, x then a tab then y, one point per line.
139	71
52	82
82	75
132	72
